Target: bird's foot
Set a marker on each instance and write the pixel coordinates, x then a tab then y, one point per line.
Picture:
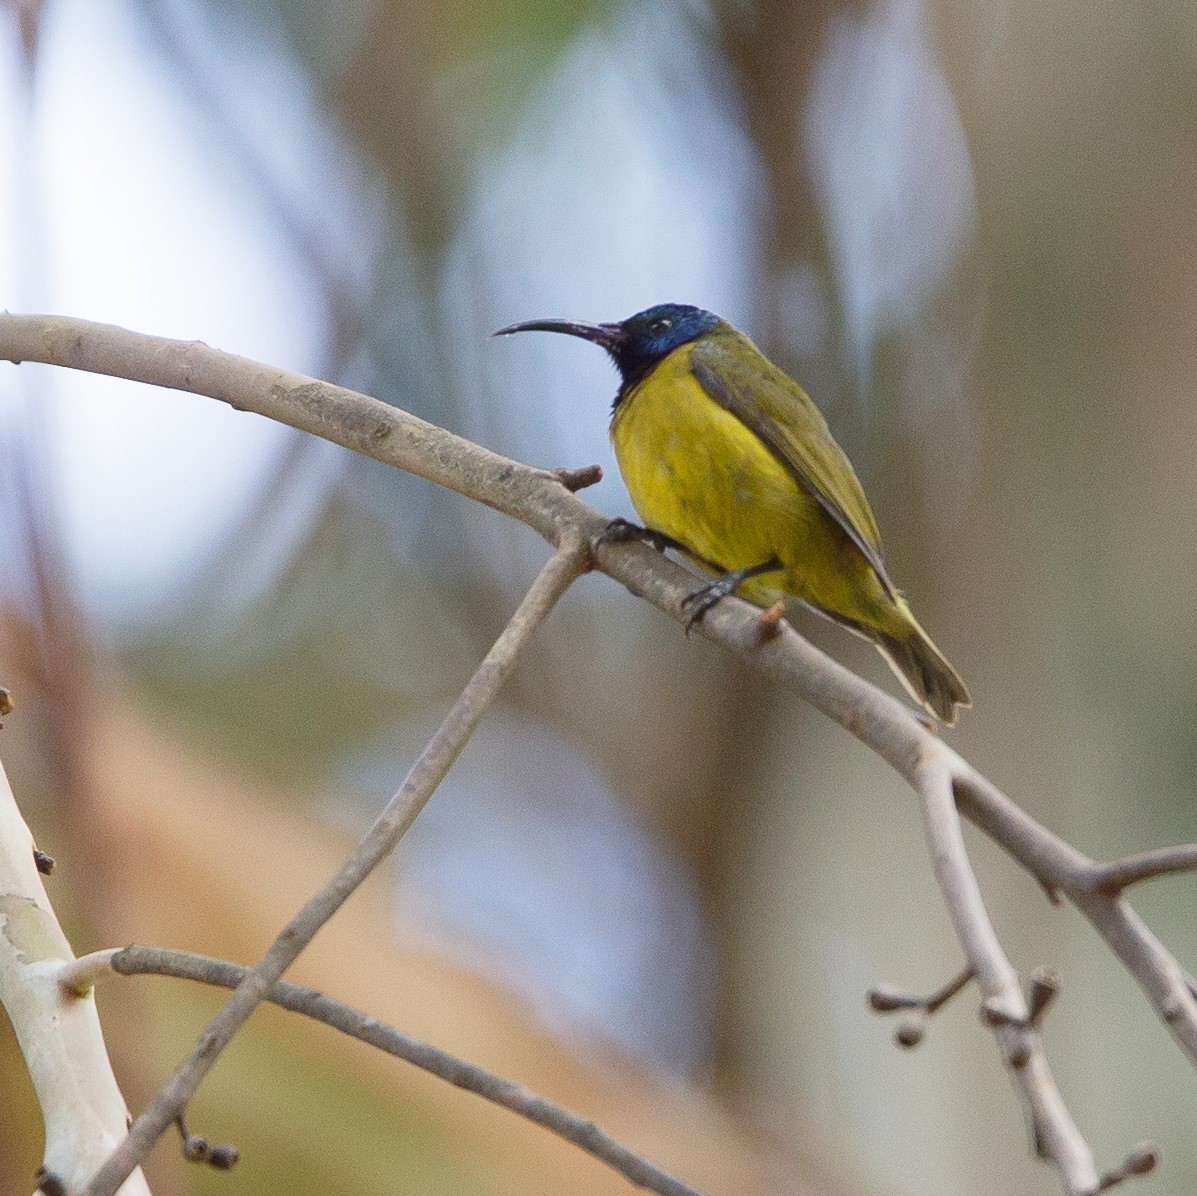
701	601
623	531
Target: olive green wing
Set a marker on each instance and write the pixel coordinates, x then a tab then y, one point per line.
731	369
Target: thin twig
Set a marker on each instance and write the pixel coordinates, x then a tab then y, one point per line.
1060	866
138	960
426	774
941	996
78	977
917	1011
1110	879
998	981
885	998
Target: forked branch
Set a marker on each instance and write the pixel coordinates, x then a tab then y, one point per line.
1054	1134
570	559
157	961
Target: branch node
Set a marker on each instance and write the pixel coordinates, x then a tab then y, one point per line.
995	1011
1171	1009
48	1183
43	862
78	977
1018	1057
578	479
885	998
911	1029
1141	1161
771	620
224	1157
7	706
197	1149
1045	986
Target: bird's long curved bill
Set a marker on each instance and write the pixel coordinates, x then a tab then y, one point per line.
606	335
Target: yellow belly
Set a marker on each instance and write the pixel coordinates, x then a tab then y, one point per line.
696	473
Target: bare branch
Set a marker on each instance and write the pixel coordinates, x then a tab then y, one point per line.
1061	867
987	961
426	774
137	960
1054	1133
356	421
543	501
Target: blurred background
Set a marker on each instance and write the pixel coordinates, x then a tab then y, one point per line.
655	887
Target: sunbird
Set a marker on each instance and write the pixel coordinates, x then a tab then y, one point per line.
728	461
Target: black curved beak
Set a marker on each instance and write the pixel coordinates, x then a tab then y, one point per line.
608	335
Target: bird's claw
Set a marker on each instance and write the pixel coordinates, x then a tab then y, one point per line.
701	601
622	531
618	531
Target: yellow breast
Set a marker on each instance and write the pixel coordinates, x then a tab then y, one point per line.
695	472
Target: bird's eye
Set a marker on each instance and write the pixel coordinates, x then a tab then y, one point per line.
660	325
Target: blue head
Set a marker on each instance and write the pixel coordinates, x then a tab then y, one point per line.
639	342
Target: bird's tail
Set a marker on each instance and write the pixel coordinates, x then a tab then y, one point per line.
923	670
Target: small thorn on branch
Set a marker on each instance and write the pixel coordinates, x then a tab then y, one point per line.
885	998
222	1156
43	862
771	621
578	479
1140	1161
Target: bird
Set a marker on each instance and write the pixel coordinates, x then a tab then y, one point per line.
728	461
